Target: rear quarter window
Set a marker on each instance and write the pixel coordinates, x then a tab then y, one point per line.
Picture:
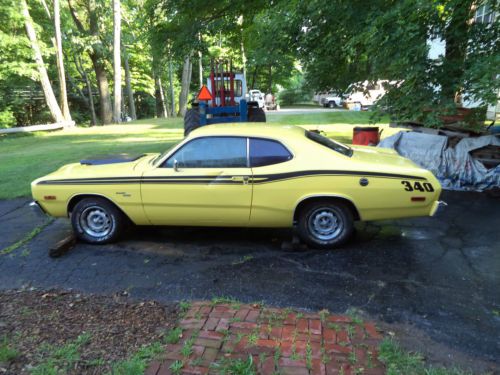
267	152
327	142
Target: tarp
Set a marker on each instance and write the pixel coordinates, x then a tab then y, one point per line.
454	167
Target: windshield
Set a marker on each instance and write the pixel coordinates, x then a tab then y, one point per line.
327	142
160	157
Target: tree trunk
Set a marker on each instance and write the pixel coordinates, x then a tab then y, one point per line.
200	63
96	55
172	94
117	69
200	67
89	101
50	98
456	37
161	109
270	79
243	58
84	75
165	91
63	95
254	77
185	82
128	84
105	111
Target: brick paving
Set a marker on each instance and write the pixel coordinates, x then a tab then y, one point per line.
228	338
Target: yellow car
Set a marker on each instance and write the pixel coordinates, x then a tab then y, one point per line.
241	175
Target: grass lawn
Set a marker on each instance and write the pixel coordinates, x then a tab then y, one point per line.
26	157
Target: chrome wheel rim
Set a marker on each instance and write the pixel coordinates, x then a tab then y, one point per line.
96	222
325	224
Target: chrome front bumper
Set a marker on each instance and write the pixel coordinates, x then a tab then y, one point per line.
37	208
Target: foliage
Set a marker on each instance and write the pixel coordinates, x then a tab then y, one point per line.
336	44
59	360
7	352
137	363
400	362
7	118
173	336
231	366
345	42
23	241
296	91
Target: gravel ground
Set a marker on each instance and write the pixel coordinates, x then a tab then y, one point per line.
111	329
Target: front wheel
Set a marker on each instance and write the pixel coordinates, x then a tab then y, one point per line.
97	221
325	225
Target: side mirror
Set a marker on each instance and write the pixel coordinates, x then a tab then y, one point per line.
176	165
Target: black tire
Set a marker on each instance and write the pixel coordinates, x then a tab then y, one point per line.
309	225
191	120
256	114
102	212
332	104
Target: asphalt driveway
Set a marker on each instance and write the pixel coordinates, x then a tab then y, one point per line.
437	279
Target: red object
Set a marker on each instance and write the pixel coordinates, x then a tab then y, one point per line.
418	199
365	136
204	93
231	82
222	86
212	81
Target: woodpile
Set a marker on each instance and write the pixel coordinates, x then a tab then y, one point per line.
489	156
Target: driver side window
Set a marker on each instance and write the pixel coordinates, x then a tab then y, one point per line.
211	152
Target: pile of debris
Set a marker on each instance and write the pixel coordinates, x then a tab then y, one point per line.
461	158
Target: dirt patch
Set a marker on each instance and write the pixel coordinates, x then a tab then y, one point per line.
36	323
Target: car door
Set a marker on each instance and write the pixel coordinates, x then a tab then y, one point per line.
207	181
275	190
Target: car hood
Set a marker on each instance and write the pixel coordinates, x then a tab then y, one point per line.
111	159
101	167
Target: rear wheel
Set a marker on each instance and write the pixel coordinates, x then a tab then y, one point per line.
332	104
97	221
256	115
325	225
191	120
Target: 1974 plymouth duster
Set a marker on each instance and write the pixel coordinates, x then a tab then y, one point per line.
241	175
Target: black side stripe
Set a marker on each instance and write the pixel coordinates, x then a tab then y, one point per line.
256	179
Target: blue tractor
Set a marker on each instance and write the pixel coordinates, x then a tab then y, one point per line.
222	100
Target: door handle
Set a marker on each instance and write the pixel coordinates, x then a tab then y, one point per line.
243	179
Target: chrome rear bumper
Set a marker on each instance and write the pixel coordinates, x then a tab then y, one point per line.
437	206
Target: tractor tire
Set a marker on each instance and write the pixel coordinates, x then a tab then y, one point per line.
256	115
191	120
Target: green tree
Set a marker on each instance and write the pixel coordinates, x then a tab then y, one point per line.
95	14
344	42
50	98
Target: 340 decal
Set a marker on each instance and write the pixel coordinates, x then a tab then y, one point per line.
409	186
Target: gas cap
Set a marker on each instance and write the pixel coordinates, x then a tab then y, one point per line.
363	181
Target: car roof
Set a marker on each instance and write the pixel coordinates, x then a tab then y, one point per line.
249	129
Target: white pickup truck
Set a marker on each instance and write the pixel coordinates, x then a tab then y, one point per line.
257	96
364	94
329	99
